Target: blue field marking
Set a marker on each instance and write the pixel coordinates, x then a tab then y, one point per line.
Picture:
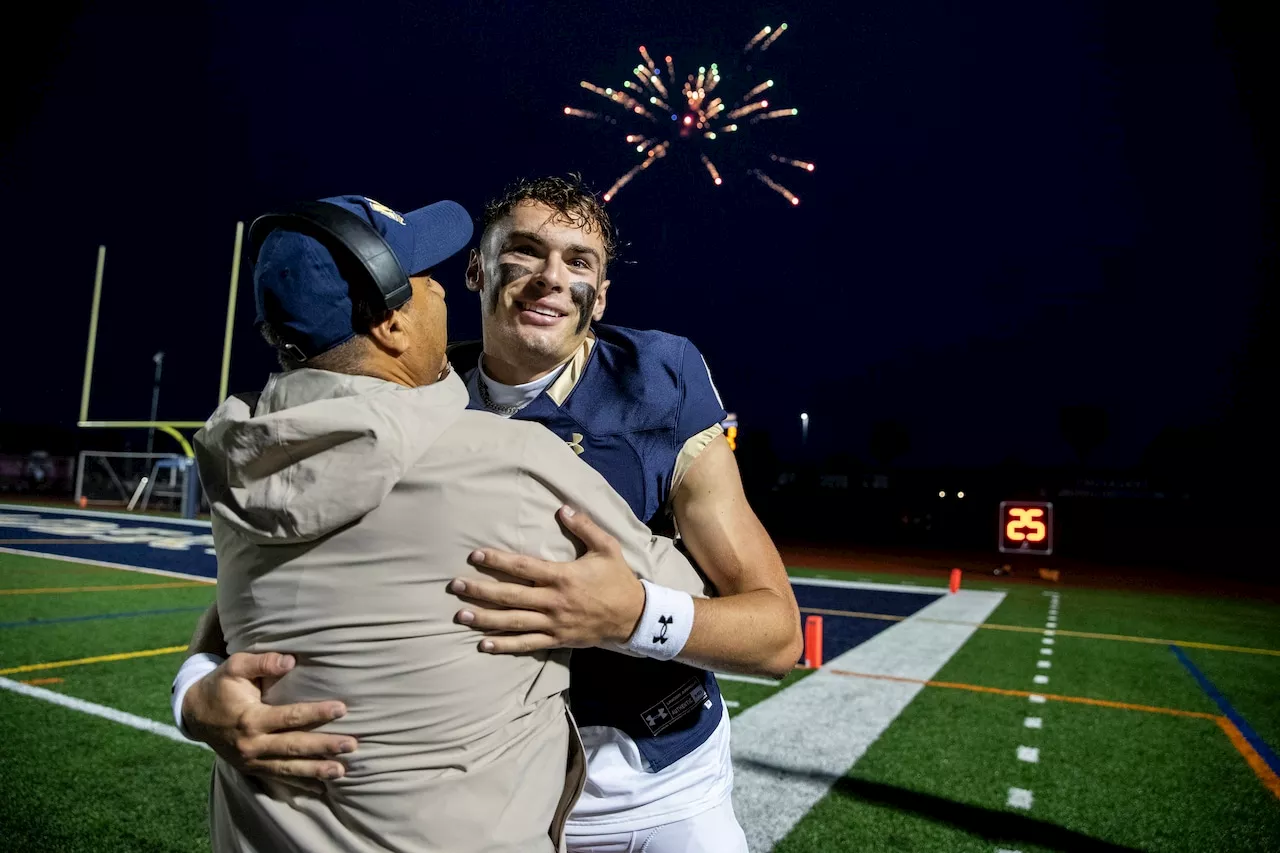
841	633
32	622
1258	744
178	546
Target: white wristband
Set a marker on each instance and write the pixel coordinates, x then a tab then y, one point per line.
192	670
665	625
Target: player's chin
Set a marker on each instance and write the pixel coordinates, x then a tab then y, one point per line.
546	339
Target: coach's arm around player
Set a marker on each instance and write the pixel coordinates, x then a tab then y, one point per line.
252	736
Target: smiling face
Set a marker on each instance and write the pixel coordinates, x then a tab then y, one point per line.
541	281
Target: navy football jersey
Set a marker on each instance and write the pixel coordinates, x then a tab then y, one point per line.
639	397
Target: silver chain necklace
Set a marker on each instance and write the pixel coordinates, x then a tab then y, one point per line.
505	411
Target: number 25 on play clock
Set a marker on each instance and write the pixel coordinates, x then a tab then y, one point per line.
1026	527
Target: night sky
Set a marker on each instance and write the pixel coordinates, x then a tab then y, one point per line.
1017	206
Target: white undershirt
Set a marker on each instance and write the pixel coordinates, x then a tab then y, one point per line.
511	396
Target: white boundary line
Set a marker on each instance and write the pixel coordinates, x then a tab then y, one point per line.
115	516
749	679
122	717
18	552
884	587
791	748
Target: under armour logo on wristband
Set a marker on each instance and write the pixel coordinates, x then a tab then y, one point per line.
664	625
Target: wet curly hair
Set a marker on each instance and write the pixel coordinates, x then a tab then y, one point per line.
568	196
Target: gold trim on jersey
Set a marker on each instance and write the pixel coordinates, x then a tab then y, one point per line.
690	452
559	390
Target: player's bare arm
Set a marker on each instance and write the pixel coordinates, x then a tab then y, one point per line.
732	548
588	602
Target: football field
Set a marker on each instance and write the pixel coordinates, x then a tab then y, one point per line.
1008	717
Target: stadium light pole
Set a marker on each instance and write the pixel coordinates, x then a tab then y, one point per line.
158	358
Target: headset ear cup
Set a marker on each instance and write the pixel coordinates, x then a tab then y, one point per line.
347	237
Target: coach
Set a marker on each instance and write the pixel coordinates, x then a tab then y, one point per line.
345	497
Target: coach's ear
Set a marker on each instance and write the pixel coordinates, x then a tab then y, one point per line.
393	334
602	296
475	272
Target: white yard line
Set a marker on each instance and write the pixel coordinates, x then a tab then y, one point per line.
789	749
105	565
127	517
886	587
747	679
122	717
1020	798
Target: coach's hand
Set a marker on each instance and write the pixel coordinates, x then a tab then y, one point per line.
225	710
592	601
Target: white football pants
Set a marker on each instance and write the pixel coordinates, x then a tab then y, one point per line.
713	831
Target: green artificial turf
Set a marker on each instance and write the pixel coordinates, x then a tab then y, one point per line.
937	780
1107	779
746	694
72	782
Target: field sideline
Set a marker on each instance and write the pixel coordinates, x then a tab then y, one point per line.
1019	717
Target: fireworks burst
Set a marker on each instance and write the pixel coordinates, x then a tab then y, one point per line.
689	112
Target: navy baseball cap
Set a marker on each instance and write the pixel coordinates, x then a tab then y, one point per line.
302	291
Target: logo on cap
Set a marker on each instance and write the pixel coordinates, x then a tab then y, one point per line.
384	210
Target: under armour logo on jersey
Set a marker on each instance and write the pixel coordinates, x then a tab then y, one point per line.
665	622
575	443
656	717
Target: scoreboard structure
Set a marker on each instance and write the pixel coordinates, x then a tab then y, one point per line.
1026	527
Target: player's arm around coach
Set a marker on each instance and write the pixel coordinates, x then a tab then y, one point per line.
752	628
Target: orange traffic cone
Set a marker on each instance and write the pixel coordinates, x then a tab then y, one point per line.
812	642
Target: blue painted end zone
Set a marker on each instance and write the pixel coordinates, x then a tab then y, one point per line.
841	633
1258	744
171	545
186	547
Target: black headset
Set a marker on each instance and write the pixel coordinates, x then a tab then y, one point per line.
340	231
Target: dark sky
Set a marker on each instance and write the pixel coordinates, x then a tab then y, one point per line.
1017	206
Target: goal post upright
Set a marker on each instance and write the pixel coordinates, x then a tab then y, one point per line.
93	332
170	428
231	313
